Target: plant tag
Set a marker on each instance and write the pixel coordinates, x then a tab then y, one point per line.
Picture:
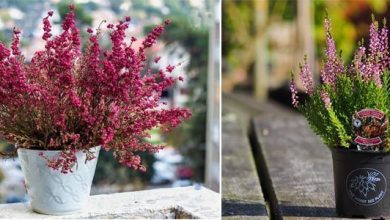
369	127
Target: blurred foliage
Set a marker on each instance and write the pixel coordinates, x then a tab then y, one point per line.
240	33
5	15
288	7
82	15
109	171
350	23
23	5
350	20
193	133
190	138
345	39
238	19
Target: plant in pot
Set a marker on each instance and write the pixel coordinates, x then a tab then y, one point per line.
349	110
60	108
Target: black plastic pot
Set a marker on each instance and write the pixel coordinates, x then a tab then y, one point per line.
362	183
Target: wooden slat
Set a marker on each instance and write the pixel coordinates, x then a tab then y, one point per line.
241	190
295	167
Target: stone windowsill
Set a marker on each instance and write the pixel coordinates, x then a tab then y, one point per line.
184	202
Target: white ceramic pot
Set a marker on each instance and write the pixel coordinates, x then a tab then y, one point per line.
52	192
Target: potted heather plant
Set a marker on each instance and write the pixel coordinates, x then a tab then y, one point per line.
60	108
350	111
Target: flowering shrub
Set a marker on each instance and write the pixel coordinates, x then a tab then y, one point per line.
332	107
69	100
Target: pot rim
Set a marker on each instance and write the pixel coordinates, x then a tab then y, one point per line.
354	151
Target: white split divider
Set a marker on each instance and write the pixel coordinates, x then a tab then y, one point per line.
183	202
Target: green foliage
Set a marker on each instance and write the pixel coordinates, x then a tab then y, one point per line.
238	19
341	133
350	94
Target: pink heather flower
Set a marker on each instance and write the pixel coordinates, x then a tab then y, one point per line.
72	100
377	60
157	59
170	68
50	13
333	64
4	52
384	46
127	18
181	78
306	77
151	38
15	42
46	28
358	61
375	42
326	99
294	92
372	65
89	30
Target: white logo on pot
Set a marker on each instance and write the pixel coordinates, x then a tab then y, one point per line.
366	186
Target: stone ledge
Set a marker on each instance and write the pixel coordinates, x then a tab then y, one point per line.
184	202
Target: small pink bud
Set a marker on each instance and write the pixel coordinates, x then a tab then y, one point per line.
170	68
157	59
16	31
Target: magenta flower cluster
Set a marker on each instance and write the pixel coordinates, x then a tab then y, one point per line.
72	100
369	66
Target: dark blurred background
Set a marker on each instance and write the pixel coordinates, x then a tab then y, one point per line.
192	152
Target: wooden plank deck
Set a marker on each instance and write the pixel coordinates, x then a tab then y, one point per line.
241	190
295	165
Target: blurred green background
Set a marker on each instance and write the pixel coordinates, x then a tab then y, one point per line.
263	40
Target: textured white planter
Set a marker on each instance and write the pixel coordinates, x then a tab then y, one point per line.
52	192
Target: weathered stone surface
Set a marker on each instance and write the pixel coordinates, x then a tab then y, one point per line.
184	202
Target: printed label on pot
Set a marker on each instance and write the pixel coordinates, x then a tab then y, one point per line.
366	186
369	127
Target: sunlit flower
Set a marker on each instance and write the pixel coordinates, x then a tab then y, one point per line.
333	63
306	77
